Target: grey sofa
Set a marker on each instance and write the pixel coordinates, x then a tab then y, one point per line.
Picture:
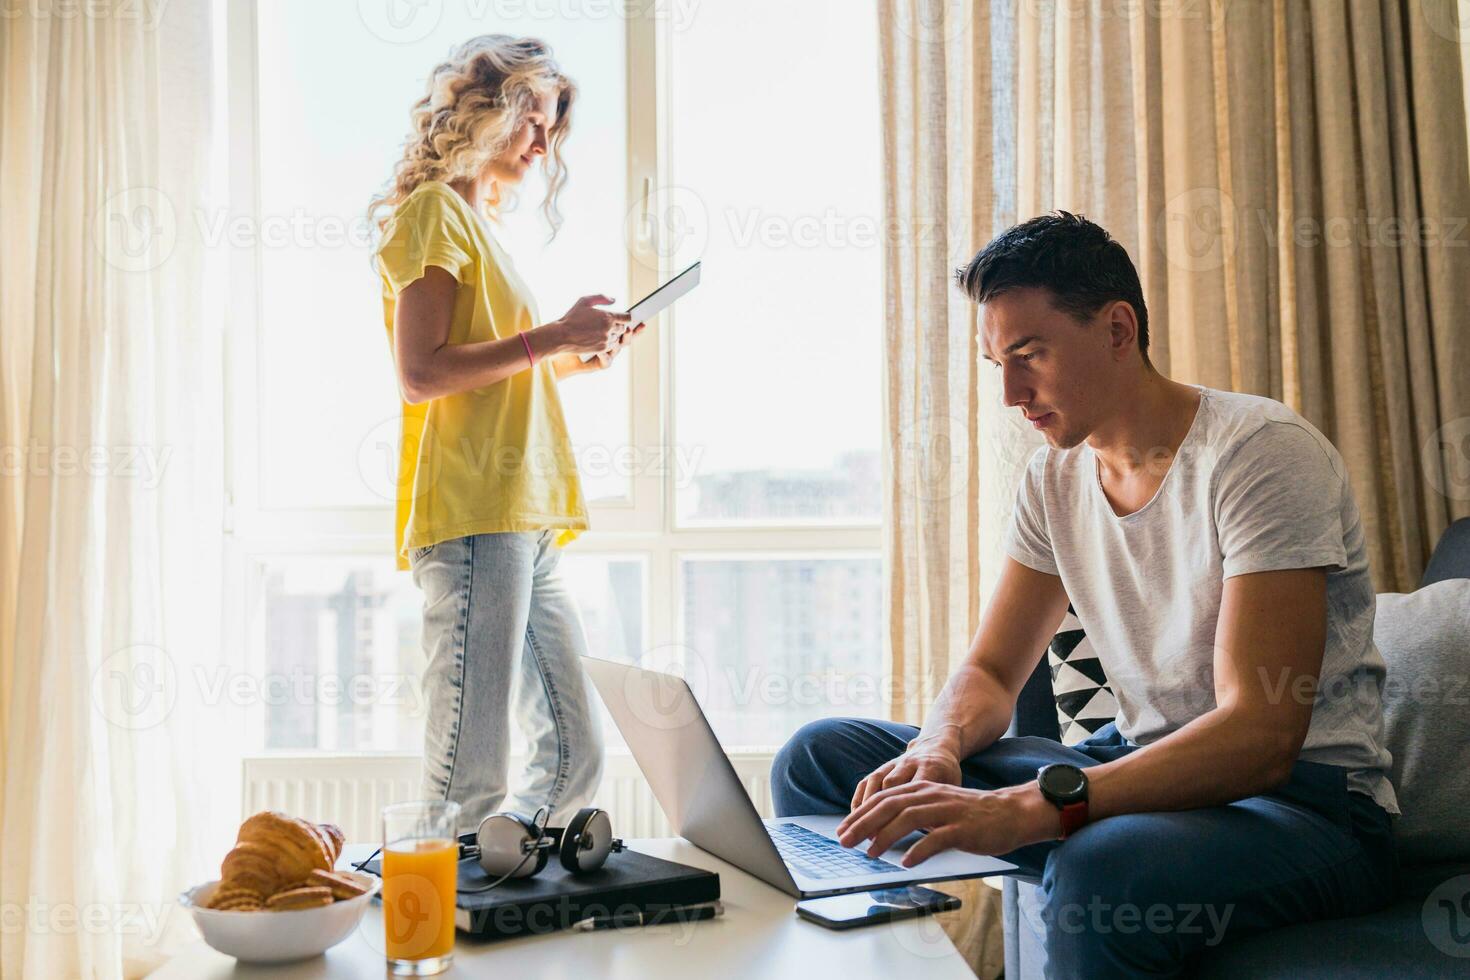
1395	942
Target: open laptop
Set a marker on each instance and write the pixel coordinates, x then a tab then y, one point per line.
706	803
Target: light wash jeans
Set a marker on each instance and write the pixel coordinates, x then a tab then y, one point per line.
501	632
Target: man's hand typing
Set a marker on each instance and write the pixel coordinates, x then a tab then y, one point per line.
932	758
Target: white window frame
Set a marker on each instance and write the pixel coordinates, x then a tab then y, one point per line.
644	525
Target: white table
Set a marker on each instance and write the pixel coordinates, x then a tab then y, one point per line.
759	935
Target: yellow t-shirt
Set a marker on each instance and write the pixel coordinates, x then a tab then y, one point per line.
495	458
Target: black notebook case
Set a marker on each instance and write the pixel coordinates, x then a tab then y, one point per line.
628	885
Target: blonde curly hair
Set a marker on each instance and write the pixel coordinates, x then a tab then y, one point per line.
476	102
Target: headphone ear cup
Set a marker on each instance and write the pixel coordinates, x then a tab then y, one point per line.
503	838
586	841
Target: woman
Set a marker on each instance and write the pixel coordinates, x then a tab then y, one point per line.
487	486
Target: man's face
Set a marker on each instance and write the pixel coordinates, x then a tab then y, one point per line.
1057	371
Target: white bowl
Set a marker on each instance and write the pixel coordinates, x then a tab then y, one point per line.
277	937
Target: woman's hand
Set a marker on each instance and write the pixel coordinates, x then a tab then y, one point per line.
570	364
585	329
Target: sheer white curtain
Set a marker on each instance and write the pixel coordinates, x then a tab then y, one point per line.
118	785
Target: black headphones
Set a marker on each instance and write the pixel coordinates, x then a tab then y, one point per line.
510	845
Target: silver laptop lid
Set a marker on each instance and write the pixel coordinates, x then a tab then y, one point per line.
690	775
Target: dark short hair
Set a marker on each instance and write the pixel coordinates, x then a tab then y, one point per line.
1077	261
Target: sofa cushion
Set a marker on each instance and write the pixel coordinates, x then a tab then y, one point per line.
1424	637
1084	700
1388	943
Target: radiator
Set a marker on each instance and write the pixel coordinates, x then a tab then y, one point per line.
351	790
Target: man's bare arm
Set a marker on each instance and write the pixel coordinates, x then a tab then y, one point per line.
975	705
1269	643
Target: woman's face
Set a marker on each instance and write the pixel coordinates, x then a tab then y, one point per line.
527	143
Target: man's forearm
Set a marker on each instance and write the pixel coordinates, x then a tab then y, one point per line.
1216	759
971	712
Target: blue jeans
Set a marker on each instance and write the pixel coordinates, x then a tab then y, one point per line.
501	634
1141	894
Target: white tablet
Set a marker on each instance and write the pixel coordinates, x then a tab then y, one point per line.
663	297
659	300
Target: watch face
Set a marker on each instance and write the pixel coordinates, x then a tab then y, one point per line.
1062	783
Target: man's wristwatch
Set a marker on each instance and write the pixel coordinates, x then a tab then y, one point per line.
1065	786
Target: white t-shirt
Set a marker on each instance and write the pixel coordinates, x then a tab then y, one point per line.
1253	488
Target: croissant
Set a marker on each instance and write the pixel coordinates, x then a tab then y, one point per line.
274	850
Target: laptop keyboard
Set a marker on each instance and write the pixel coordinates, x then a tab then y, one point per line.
821	857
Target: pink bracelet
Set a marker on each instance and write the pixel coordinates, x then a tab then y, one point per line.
527	344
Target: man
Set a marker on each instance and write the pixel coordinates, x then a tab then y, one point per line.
1210	545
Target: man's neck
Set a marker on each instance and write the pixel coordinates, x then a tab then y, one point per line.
1148	427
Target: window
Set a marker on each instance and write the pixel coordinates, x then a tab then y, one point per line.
733	458
776	384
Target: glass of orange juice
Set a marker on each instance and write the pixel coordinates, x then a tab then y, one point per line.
420	871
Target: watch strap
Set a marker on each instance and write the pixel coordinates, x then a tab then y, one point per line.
1074	817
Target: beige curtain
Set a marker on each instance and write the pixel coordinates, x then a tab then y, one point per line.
116	785
1290	178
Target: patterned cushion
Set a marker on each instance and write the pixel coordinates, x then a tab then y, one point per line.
1084	700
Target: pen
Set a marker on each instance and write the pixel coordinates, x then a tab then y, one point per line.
683	913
